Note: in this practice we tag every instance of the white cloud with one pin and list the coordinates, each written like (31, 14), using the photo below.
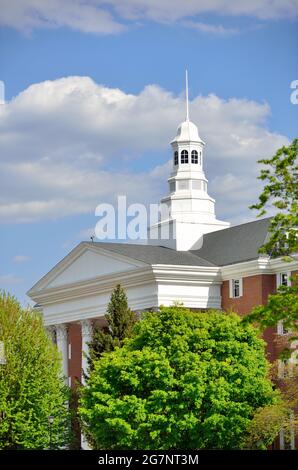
(171, 10)
(86, 16)
(218, 30)
(20, 258)
(69, 144)
(111, 16)
(8, 279)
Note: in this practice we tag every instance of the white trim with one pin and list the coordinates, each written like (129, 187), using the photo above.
(281, 329)
(232, 288)
(92, 286)
(60, 267)
(62, 345)
(241, 287)
(230, 281)
(246, 269)
(98, 310)
(278, 278)
(262, 265)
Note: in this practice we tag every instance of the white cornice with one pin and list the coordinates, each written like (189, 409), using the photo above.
(262, 265)
(166, 273)
(97, 310)
(139, 276)
(279, 265)
(94, 286)
(60, 267)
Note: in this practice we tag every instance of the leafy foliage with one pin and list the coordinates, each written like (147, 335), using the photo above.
(184, 380)
(282, 306)
(120, 320)
(269, 420)
(281, 175)
(265, 426)
(31, 386)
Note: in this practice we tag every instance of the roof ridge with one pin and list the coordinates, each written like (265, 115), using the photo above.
(246, 223)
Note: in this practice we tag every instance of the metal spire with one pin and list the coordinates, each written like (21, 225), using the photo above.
(186, 86)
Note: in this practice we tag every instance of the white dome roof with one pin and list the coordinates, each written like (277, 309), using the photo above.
(186, 131)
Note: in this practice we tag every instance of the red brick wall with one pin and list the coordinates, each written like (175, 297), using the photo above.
(75, 361)
(255, 292)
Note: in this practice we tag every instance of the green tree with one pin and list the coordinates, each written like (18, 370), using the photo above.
(184, 380)
(120, 320)
(31, 386)
(280, 191)
(269, 420)
(265, 426)
(282, 306)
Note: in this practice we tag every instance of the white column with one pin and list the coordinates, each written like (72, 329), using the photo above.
(86, 332)
(51, 332)
(86, 329)
(62, 345)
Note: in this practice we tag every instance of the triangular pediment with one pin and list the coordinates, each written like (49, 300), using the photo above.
(85, 263)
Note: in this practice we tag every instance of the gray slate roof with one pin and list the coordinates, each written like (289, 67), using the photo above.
(151, 254)
(229, 246)
(235, 244)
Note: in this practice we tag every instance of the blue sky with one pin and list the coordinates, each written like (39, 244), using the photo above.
(67, 145)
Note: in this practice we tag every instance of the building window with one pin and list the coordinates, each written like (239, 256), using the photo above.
(184, 156)
(235, 288)
(194, 157)
(287, 435)
(201, 158)
(176, 160)
(285, 368)
(281, 329)
(283, 279)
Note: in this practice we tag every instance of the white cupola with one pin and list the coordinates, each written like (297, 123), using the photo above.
(191, 211)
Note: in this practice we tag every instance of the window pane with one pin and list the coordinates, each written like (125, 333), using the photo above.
(236, 288)
(176, 158)
(284, 279)
(194, 156)
(184, 156)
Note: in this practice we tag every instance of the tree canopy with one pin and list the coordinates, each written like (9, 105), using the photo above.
(282, 306)
(120, 320)
(184, 380)
(31, 386)
(280, 173)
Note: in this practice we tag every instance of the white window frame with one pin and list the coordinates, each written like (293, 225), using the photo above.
(279, 278)
(292, 434)
(280, 326)
(281, 329)
(281, 368)
(232, 288)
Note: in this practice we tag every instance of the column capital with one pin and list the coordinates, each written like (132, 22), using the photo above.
(86, 328)
(61, 332)
(51, 332)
